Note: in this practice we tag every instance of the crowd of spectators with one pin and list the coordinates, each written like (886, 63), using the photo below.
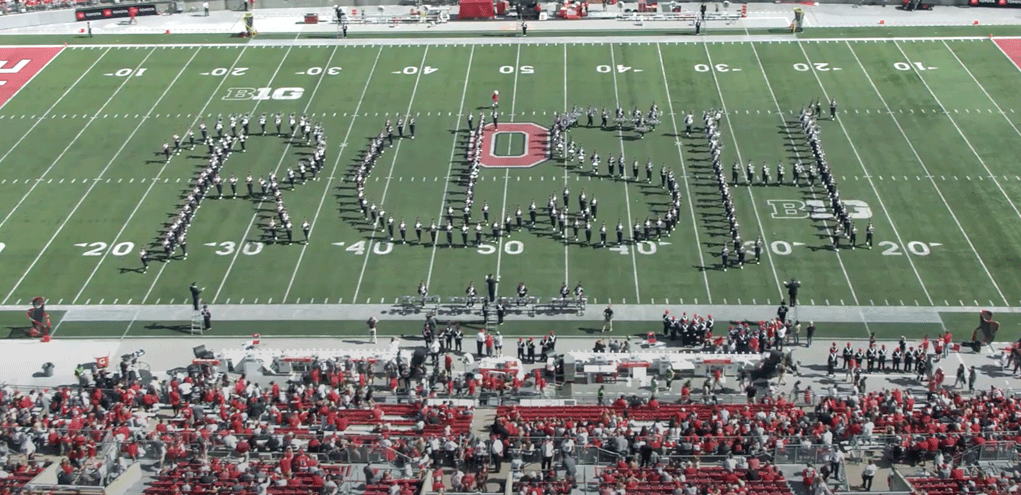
(298, 437)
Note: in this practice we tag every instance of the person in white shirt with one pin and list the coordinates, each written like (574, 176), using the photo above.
(730, 464)
(567, 446)
(480, 341)
(496, 450)
(547, 450)
(867, 474)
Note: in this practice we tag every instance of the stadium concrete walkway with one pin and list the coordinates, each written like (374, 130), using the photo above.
(622, 312)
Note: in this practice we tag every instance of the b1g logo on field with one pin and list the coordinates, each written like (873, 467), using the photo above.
(518, 145)
(816, 209)
(264, 93)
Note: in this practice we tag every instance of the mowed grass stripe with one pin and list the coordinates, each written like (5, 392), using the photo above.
(640, 75)
(106, 211)
(325, 268)
(215, 236)
(916, 209)
(763, 138)
(674, 116)
(420, 174)
(332, 174)
(13, 146)
(118, 236)
(48, 271)
(25, 247)
(934, 159)
(861, 269)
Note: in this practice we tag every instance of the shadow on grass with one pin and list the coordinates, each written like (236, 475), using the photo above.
(20, 333)
(179, 328)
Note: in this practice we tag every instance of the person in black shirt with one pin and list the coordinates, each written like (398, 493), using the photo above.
(608, 318)
(195, 291)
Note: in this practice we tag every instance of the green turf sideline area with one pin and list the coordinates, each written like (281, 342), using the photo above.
(898, 32)
(924, 142)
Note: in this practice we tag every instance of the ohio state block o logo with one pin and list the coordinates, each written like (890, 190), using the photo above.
(536, 146)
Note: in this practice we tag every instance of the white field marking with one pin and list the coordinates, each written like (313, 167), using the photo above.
(41, 69)
(389, 175)
(567, 268)
(929, 175)
(961, 132)
(198, 116)
(333, 174)
(790, 139)
(627, 196)
(869, 179)
(998, 108)
(684, 174)
(450, 162)
(283, 156)
(152, 184)
(33, 126)
(506, 172)
(94, 183)
(737, 149)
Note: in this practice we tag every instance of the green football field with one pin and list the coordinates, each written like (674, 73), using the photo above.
(925, 145)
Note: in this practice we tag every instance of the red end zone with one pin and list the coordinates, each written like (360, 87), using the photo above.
(536, 146)
(18, 65)
(1011, 47)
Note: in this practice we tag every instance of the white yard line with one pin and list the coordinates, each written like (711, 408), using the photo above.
(32, 128)
(40, 71)
(790, 139)
(450, 162)
(283, 156)
(198, 117)
(152, 184)
(868, 177)
(929, 175)
(737, 149)
(333, 173)
(506, 172)
(959, 131)
(567, 250)
(627, 195)
(94, 182)
(684, 176)
(980, 86)
(390, 174)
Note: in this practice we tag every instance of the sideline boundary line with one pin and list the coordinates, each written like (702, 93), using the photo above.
(577, 40)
